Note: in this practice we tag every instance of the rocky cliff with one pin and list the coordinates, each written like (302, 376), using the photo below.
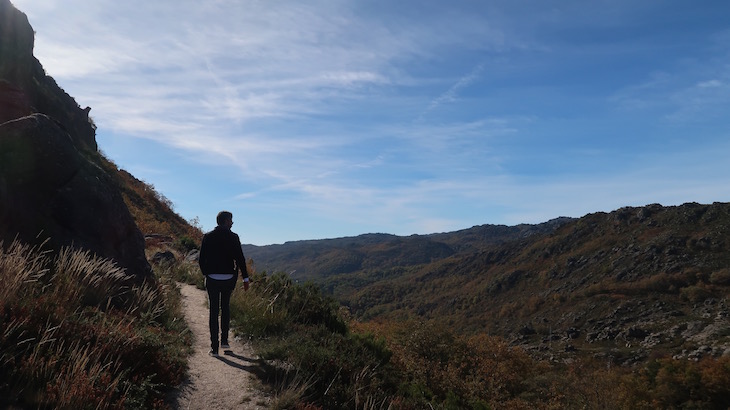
(53, 185)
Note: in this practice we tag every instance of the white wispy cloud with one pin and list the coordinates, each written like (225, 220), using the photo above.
(176, 72)
(451, 94)
(359, 112)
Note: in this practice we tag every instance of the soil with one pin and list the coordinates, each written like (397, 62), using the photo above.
(224, 382)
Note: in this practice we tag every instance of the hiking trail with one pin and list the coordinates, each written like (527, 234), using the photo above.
(223, 382)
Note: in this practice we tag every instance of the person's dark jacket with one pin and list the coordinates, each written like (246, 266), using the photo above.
(220, 252)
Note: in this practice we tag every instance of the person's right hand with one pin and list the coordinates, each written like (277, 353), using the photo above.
(245, 285)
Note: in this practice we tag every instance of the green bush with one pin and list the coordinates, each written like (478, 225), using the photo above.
(186, 244)
(317, 360)
(185, 272)
(681, 384)
(302, 335)
(257, 313)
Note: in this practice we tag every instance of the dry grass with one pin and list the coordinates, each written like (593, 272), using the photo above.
(77, 334)
(290, 392)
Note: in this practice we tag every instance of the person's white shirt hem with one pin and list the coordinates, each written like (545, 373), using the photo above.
(221, 276)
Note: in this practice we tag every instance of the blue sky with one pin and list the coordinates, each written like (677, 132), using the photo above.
(321, 119)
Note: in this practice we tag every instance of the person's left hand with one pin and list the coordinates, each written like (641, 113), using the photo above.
(245, 285)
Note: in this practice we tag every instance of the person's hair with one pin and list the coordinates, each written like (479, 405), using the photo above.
(223, 216)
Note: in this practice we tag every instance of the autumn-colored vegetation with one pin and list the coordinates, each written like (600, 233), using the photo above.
(77, 333)
(318, 357)
(71, 338)
(152, 211)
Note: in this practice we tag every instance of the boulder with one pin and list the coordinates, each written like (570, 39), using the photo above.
(14, 103)
(164, 257)
(22, 71)
(16, 43)
(54, 186)
(49, 190)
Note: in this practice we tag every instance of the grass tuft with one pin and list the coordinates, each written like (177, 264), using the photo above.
(76, 333)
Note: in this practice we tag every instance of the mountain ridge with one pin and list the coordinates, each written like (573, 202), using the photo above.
(626, 284)
(292, 255)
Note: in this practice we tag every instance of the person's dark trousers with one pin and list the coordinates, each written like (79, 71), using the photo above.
(219, 298)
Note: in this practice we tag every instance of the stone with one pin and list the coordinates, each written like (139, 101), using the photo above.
(14, 103)
(49, 190)
(24, 73)
(54, 188)
(165, 257)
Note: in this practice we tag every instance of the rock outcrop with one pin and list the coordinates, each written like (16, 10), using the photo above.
(53, 185)
(21, 70)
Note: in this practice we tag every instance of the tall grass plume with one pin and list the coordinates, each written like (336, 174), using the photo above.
(76, 332)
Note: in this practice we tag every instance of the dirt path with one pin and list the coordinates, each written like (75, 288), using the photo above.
(223, 382)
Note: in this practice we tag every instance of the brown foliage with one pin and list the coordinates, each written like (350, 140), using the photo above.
(76, 333)
(486, 372)
(152, 211)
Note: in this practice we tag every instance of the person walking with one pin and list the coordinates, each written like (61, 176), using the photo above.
(220, 259)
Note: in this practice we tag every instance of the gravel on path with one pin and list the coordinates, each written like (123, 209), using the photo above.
(223, 382)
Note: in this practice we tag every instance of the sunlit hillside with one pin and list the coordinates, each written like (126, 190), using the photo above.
(626, 285)
(152, 211)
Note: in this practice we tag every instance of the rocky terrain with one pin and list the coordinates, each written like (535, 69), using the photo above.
(55, 188)
(622, 286)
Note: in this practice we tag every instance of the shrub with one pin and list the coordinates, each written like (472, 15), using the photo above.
(187, 244)
(185, 272)
(720, 277)
(77, 334)
(308, 344)
(677, 384)
(695, 293)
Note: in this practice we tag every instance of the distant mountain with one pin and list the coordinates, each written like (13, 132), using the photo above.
(316, 259)
(621, 285)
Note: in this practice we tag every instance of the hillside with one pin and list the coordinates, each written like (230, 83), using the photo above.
(317, 259)
(153, 213)
(55, 190)
(86, 321)
(624, 285)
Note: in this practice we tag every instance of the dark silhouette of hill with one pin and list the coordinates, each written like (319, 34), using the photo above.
(55, 187)
(622, 284)
(316, 259)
